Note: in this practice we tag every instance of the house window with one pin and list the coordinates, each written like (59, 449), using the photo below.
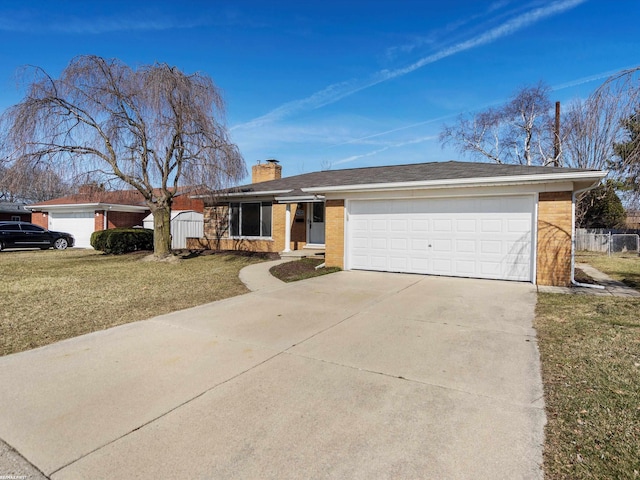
(15, 218)
(250, 219)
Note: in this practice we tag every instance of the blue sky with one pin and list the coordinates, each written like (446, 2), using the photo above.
(338, 84)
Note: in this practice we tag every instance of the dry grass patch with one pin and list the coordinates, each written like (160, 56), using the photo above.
(48, 296)
(590, 350)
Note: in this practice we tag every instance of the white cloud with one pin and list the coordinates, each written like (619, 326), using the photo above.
(340, 90)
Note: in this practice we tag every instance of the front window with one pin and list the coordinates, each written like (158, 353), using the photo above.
(250, 219)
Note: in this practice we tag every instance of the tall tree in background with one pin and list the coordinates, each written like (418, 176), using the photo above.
(30, 184)
(628, 155)
(154, 128)
(519, 132)
(601, 208)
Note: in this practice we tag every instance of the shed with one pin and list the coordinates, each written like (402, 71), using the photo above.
(184, 223)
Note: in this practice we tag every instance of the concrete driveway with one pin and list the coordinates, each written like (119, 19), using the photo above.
(352, 375)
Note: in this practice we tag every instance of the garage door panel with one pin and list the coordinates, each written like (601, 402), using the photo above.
(487, 237)
(491, 225)
(466, 246)
(442, 225)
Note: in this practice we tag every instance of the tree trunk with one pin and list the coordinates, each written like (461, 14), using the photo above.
(162, 231)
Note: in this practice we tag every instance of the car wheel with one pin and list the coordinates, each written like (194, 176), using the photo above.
(60, 244)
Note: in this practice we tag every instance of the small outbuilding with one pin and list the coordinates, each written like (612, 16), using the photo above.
(187, 223)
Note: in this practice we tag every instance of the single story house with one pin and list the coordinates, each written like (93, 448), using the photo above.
(93, 209)
(480, 220)
(14, 211)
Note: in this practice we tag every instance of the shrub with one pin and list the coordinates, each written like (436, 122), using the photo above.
(122, 240)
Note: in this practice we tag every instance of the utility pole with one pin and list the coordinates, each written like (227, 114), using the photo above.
(556, 139)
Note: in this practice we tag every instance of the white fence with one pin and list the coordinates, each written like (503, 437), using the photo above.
(609, 243)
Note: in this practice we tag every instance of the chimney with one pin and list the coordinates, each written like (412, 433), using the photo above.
(263, 172)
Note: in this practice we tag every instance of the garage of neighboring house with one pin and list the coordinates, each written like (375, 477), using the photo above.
(80, 224)
(481, 237)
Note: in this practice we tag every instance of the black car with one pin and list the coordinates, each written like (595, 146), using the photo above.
(28, 235)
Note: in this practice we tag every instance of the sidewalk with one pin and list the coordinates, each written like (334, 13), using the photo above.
(612, 288)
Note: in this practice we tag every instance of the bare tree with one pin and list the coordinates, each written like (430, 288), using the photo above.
(154, 128)
(27, 184)
(520, 131)
(594, 126)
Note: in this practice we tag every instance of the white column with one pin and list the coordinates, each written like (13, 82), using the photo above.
(287, 229)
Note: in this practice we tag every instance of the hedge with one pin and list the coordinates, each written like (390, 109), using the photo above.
(122, 240)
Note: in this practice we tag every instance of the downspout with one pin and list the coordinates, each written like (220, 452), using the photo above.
(573, 241)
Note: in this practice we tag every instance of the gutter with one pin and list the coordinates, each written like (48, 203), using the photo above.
(573, 240)
(463, 182)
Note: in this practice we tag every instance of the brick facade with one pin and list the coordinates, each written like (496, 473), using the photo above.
(125, 219)
(40, 218)
(334, 233)
(216, 231)
(554, 239)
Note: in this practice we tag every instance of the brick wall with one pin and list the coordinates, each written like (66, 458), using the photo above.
(334, 233)
(8, 216)
(216, 234)
(554, 239)
(125, 219)
(184, 202)
(98, 222)
(40, 218)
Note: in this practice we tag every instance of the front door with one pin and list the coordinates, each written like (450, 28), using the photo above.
(315, 223)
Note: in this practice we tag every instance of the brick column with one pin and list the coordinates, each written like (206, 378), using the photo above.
(334, 233)
(554, 239)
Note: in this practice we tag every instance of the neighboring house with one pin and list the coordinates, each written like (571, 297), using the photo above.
(480, 220)
(93, 209)
(14, 211)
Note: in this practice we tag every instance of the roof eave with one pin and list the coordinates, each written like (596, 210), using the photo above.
(589, 177)
(264, 193)
(87, 206)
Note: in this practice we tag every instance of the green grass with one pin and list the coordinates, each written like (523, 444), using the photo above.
(301, 269)
(624, 269)
(51, 295)
(590, 351)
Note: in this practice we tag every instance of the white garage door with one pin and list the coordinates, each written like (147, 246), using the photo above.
(79, 224)
(480, 237)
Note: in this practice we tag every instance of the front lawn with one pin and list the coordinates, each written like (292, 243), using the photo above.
(51, 295)
(590, 351)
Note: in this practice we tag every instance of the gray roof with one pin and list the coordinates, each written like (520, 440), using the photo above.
(13, 207)
(452, 170)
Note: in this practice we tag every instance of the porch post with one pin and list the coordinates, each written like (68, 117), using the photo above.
(287, 229)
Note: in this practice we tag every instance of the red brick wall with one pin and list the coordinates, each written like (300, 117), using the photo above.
(24, 217)
(184, 202)
(125, 219)
(40, 218)
(98, 220)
